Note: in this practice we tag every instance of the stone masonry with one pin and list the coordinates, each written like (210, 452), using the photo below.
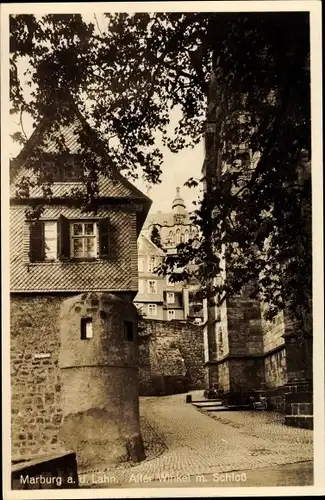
(171, 357)
(35, 375)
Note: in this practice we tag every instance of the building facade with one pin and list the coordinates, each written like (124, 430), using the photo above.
(150, 297)
(159, 297)
(73, 277)
(174, 227)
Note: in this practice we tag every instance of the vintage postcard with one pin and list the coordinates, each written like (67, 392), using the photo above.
(162, 249)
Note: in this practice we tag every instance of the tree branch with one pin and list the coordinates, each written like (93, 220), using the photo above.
(21, 123)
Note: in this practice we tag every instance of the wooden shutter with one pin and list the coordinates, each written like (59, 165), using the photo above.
(36, 241)
(107, 239)
(63, 238)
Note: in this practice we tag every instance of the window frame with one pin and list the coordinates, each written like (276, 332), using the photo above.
(173, 297)
(62, 247)
(148, 288)
(154, 306)
(169, 311)
(83, 237)
(86, 329)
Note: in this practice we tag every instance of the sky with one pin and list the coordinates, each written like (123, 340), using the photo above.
(176, 169)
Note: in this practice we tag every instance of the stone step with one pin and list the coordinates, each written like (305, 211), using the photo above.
(206, 404)
(216, 408)
(229, 408)
(207, 401)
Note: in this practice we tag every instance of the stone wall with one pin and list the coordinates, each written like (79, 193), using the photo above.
(239, 341)
(35, 375)
(170, 349)
(246, 374)
(63, 387)
(272, 331)
(244, 326)
(275, 369)
(223, 376)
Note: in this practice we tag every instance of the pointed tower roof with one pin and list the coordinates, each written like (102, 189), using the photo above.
(178, 203)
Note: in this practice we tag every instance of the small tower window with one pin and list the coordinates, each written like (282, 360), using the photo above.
(128, 331)
(86, 328)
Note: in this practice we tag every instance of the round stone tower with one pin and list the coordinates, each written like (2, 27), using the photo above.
(99, 372)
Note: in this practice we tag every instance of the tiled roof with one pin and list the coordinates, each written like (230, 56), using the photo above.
(146, 246)
(117, 186)
(107, 187)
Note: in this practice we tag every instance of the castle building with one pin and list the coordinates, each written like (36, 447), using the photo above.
(158, 297)
(73, 277)
(174, 227)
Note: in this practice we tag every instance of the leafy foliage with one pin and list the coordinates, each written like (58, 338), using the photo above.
(247, 74)
(155, 236)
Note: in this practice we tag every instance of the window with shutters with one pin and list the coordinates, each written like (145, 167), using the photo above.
(83, 240)
(66, 239)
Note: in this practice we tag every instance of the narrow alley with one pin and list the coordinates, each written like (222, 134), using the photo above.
(196, 447)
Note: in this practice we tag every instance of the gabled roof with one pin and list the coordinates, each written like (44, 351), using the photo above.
(113, 186)
(143, 239)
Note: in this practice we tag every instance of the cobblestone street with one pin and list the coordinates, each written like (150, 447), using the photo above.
(192, 443)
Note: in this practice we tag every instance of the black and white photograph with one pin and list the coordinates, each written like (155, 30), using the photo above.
(162, 249)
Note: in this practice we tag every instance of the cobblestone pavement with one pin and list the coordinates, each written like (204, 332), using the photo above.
(199, 443)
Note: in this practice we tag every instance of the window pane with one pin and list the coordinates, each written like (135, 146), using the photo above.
(50, 236)
(171, 314)
(77, 229)
(152, 309)
(78, 247)
(89, 247)
(89, 228)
